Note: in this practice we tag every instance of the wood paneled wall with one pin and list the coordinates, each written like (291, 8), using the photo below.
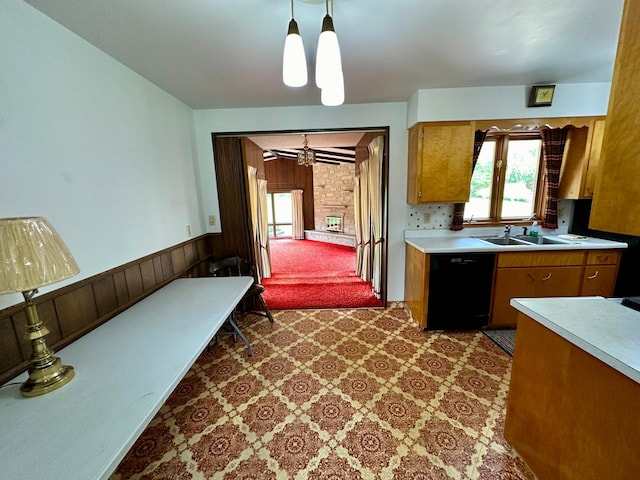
(74, 310)
(233, 200)
(253, 156)
(284, 175)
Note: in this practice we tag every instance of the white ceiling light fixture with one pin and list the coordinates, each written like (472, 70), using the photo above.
(329, 63)
(306, 157)
(294, 61)
(332, 94)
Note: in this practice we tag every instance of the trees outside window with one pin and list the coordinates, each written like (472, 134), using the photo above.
(506, 182)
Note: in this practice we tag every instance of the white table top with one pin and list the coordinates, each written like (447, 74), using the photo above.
(603, 328)
(125, 371)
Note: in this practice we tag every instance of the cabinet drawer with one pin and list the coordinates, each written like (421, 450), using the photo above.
(599, 280)
(603, 257)
(548, 259)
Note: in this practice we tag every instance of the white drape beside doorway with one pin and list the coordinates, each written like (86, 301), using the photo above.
(357, 217)
(264, 259)
(365, 222)
(376, 151)
(297, 220)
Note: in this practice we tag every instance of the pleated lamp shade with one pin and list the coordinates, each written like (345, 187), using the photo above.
(32, 255)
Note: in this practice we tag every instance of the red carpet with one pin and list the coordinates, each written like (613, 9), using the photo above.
(308, 274)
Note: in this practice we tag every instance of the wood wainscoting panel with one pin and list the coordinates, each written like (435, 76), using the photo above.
(120, 283)
(167, 266)
(178, 259)
(105, 294)
(76, 309)
(134, 281)
(9, 342)
(148, 275)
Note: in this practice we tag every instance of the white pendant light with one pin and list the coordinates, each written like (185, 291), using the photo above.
(294, 61)
(332, 94)
(328, 59)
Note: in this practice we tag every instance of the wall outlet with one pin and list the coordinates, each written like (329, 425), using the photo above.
(212, 220)
(426, 217)
(188, 230)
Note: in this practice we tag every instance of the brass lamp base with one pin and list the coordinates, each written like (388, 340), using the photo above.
(46, 372)
(47, 379)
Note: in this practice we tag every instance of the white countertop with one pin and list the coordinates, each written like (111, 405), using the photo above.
(467, 241)
(603, 328)
(125, 370)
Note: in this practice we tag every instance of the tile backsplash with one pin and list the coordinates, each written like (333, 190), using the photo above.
(438, 216)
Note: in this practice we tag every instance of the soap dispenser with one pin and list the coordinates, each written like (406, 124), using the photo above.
(534, 229)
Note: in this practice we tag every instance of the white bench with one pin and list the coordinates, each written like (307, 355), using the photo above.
(125, 371)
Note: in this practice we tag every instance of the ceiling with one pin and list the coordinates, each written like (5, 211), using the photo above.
(228, 53)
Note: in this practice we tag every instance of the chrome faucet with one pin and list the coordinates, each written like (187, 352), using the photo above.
(507, 231)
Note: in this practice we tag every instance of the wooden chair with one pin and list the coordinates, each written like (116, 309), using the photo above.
(236, 266)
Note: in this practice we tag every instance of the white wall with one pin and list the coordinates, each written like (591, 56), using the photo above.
(478, 103)
(102, 153)
(393, 115)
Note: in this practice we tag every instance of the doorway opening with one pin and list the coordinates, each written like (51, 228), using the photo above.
(279, 214)
(272, 159)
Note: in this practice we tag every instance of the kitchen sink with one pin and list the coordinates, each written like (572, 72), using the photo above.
(539, 240)
(522, 240)
(503, 240)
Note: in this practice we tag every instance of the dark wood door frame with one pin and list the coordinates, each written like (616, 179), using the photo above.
(233, 193)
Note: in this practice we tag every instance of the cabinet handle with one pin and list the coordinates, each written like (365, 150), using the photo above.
(603, 258)
(547, 277)
(593, 276)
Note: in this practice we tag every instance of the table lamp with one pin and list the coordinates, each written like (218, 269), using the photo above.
(33, 255)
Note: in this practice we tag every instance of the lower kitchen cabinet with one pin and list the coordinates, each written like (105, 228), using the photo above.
(558, 273)
(599, 280)
(600, 273)
(534, 274)
(531, 282)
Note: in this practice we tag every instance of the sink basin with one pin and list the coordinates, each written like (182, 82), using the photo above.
(538, 240)
(503, 241)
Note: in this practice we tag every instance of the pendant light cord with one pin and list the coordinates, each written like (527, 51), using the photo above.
(292, 16)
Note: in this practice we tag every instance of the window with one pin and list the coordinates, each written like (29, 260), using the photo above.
(279, 214)
(506, 181)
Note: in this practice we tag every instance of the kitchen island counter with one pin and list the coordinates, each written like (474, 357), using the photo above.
(574, 394)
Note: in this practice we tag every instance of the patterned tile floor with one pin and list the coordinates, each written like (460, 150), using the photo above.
(335, 394)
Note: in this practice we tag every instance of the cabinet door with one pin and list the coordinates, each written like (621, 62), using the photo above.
(599, 280)
(440, 160)
(593, 164)
(510, 283)
(615, 202)
(530, 282)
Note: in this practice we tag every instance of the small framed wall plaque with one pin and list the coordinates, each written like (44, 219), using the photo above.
(541, 95)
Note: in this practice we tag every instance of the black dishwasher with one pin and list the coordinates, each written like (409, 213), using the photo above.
(459, 291)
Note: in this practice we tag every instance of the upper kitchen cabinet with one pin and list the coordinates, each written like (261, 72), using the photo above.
(440, 158)
(581, 159)
(615, 202)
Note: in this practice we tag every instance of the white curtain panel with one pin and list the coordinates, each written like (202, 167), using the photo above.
(358, 224)
(254, 202)
(365, 218)
(297, 222)
(376, 150)
(265, 257)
